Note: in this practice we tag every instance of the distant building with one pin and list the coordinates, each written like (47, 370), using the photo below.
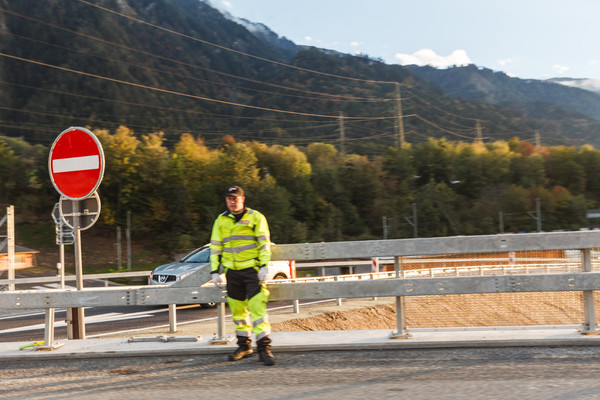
(24, 257)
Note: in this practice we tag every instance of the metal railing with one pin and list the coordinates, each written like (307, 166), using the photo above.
(106, 277)
(397, 284)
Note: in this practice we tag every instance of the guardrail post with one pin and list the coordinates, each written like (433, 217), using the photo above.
(296, 303)
(49, 332)
(172, 317)
(69, 321)
(220, 337)
(372, 276)
(589, 326)
(338, 301)
(49, 327)
(401, 332)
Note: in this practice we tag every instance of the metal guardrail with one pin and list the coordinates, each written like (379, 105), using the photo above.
(480, 270)
(188, 291)
(46, 279)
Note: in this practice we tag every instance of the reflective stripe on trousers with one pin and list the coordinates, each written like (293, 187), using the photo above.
(256, 309)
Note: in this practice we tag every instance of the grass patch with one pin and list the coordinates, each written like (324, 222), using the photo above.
(36, 236)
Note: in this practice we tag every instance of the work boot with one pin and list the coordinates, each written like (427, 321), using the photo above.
(244, 349)
(264, 351)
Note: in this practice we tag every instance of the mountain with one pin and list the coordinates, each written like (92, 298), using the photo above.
(497, 88)
(181, 66)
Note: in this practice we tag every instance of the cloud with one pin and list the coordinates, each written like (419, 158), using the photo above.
(429, 57)
(308, 38)
(588, 84)
(560, 69)
(221, 5)
(355, 44)
(506, 61)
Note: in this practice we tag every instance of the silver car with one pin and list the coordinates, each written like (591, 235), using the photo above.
(170, 273)
(176, 271)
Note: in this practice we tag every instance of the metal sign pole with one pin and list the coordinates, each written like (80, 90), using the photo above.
(10, 244)
(62, 265)
(76, 167)
(78, 316)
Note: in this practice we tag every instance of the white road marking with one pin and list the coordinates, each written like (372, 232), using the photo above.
(194, 321)
(51, 286)
(94, 319)
(30, 314)
(57, 286)
(124, 316)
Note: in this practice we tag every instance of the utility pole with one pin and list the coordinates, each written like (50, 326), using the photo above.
(119, 258)
(128, 238)
(400, 125)
(479, 139)
(385, 228)
(342, 134)
(413, 220)
(538, 214)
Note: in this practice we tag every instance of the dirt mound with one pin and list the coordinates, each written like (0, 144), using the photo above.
(490, 309)
(371, 317)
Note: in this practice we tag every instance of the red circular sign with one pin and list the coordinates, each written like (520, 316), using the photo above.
(76, 163)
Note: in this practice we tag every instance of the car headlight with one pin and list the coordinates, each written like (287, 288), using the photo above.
(185, 275)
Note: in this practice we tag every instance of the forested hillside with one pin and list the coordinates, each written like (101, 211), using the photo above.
(316, 193)
(179, 66)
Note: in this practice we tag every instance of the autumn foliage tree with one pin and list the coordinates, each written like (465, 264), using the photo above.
(317, 193)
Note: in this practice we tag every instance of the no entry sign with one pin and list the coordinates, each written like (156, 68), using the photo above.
(76, 163)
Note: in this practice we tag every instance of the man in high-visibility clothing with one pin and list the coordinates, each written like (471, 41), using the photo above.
(240, 243)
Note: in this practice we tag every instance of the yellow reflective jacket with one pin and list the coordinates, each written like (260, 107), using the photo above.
(240, 245)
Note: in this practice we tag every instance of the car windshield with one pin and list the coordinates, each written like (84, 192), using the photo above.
(201, 255)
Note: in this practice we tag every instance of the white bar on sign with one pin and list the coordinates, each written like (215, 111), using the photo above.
(76, 164)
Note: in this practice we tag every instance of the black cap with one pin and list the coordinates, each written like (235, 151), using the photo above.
(234, 191)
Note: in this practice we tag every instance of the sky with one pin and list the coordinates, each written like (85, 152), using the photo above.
(529, 39)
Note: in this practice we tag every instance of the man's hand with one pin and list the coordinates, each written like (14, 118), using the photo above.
(216, 279)
(262, 274)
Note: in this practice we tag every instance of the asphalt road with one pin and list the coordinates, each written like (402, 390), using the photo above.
(477, 373)
(28, 325)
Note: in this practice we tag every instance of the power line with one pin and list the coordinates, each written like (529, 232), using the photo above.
(414, 95)
(167, 91)
(441, 128)
(194, 66)
(229, 49)
(206, 114)
(332, 97)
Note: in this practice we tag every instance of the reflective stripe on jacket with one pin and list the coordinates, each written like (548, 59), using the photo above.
(242, 244)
